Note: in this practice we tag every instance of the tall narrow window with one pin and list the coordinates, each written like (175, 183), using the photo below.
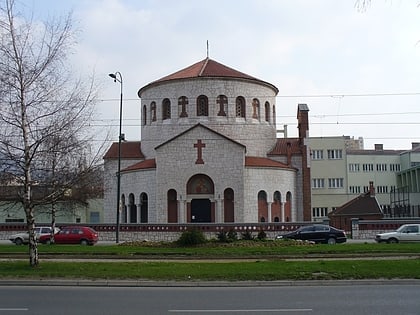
(166, 109)
(222, 101)
(240, 107)
(144, 115)
(255, 108)
(182, 106)
(202, 106)
(267, 111)
(153, 111)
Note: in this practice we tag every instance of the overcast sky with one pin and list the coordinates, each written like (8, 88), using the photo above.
(358, 72)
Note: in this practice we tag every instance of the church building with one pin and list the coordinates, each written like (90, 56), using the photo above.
(209, 153)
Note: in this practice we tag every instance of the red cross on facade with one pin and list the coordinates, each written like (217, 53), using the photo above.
(199, 145)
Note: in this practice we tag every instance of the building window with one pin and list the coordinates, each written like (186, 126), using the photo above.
(153, 111)
(354, 189)
(382, 189)
(367, 167)
(240, 107)
(202, 106)
(381, 167)
(182, 106)
(317, 154)
(222, 101)
(319, 212)
(255, 108)
(144, 115)
(394, 167)
(336, 154)
(318, 183)
(267, 111)
(354, 167)
(335, 182)
(166, 109)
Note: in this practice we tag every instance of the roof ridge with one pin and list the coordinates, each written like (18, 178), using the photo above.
(206, 61)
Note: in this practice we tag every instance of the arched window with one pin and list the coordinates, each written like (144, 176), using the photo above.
(255, 108)
(288, 207)
(276, 207)
(222, 101)
(262, 206)
(240, 107)
(132, 212)
(202, 106)
(274, 115)
(144, 208)
(182, 106)
(229, 205)
(123, 209)
(144, 115)
(172, 206)
(153, 111)
(166, 109)
(267, 111)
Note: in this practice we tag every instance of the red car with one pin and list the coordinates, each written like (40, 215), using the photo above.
(72, 235)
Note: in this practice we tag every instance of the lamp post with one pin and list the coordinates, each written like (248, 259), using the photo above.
(118, 78)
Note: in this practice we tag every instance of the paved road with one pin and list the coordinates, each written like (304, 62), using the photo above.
(304, 300)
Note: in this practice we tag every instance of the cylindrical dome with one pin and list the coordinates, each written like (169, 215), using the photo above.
(229, 102)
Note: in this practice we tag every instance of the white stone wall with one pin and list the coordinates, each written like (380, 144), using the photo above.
(268, 180)
(223, 163)
(257, 134)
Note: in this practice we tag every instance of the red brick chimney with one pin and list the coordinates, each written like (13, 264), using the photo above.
(303, 125)
(371, 189)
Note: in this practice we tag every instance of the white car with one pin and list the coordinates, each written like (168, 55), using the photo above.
(23, 238)
(405, 233)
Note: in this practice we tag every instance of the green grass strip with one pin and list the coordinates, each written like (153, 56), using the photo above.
(206, 271)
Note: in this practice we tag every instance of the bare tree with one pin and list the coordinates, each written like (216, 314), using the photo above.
(44, 112)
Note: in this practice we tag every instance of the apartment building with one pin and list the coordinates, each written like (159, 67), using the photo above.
(341, 169)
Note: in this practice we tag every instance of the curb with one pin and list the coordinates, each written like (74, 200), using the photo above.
(144, 283)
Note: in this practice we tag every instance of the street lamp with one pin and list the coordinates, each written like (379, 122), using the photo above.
(118, 78)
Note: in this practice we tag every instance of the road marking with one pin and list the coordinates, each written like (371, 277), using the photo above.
(14, 309)
(245, 311)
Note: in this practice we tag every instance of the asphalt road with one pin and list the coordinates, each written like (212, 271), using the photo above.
(326, 300)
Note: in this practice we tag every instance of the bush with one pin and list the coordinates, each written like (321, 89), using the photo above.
(247, 236)
(262, 236)
(232, 236)
(191, 238)
(222, 237)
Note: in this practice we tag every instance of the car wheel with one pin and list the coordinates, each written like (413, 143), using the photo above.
(48, 241)
(392, 241)
(83, 242)
(331, 241)
(18, 241)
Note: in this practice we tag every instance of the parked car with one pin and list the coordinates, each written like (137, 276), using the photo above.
(405, 233)
(318, 233)
(23, 237)
(73, 235)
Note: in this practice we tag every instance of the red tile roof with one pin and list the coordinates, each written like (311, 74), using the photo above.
(282, 144)
(255, 161)
(146, 164)
(206, 68)
(362, 205)
(129, 150)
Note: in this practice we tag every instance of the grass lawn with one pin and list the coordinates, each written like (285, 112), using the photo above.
(249, 260)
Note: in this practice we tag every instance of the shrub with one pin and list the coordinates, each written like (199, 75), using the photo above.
(262, 236)
(222, 237)
(247, 235)
(191, 238)
(232, 236)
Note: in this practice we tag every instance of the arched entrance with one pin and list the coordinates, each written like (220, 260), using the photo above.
(200, 190)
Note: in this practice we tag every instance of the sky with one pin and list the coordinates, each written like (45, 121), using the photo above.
(357, 70)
